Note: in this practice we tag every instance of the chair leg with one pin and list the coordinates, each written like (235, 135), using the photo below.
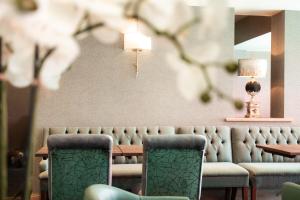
(233, 193)
(253, 192)
(245, 193)
(228, 193)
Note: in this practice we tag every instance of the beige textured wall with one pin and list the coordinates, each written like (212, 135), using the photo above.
(101, 89)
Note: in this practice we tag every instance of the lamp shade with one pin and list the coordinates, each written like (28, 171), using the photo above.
(253, 68)
(137, 41)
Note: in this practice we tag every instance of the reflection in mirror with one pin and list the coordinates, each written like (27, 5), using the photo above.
(257, 46)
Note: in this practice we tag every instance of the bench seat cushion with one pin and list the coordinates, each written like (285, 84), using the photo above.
(127, 170)
(224, 174)
(272, 175)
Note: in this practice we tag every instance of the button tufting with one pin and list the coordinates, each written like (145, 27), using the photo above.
(223, 141)
(125, 131)
(260, 131)
(288, 142)
(292, 131)
(148, 131)
(211, 141)
(277, 142)
(250, 131)
(137, 131)
(218, 153)
(158, 130)
(281, 131)
(271, 131)
(217, 131)
(90, 131)
(251, 153)
(298, 142)
(244, 141)
(205, 131)
(255, 141)
(113, 131)
(101, 131)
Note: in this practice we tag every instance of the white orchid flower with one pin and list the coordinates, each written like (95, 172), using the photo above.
(190, 79)
(52, 25)
(62, 58)
(20, 64)
(166, 15)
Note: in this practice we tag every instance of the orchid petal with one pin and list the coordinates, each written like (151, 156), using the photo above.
(20, 64)
(191, 82)
(62, 58)
(106, 35)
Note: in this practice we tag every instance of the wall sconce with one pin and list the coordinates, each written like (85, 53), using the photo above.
(136, 41)
(253, 68)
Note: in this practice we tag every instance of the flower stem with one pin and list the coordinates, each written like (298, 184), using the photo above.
(31, 143)
(3, 134)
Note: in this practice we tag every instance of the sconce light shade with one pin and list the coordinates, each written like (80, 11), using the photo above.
(252, 68)
(137, 41)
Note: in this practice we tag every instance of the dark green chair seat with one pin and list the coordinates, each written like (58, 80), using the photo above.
(105, 192)
(290, 191)
(272, 175)
(224, 174)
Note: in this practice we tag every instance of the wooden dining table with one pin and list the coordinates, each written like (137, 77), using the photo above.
(287, 150)
(118, 150)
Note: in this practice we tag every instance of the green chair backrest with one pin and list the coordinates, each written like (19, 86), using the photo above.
(77, 162)
(173, 165)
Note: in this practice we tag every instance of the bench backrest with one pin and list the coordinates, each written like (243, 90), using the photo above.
(218, 145)
(244, 140)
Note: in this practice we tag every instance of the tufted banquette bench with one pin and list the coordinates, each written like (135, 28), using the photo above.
(265, 170)
(231, 159)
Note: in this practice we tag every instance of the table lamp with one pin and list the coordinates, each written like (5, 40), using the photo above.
(253, 68)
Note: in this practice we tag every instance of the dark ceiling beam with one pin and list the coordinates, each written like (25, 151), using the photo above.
(251, 27)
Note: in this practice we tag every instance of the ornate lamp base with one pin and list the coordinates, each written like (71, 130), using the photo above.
(252, 109)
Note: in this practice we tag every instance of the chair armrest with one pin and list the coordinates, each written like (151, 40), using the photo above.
(290, 191)
(106, 192)
(43, 165)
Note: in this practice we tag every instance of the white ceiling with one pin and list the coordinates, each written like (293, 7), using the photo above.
(256, 7)
(260, 43)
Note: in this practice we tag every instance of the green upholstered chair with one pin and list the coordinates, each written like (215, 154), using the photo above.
(173, 165)
(76, 162)
(290, 191)
(106, 192)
